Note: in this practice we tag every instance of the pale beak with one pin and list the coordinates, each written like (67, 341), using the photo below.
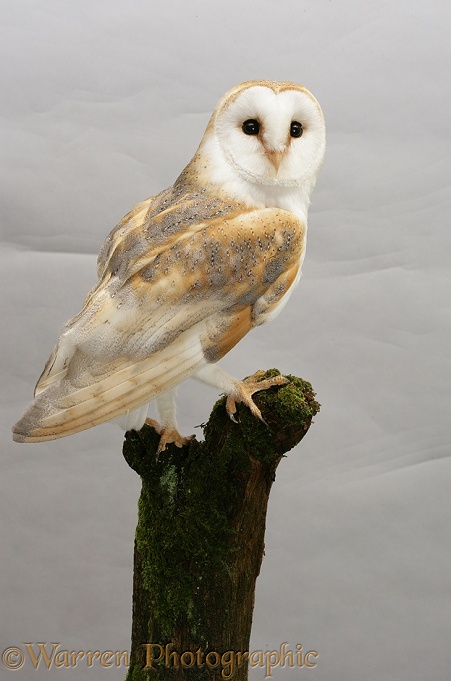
(275, 157)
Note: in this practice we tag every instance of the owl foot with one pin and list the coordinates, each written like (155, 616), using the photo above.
(168, 436)
(245, 389)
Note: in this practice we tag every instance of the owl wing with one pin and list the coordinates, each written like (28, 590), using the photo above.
(158, 314)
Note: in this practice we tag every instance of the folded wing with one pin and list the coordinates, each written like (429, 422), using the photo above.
(173, 294)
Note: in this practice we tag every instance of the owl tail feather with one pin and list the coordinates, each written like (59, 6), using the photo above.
(67, 407)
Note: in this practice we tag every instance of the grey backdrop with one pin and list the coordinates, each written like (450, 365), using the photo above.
(103, 104)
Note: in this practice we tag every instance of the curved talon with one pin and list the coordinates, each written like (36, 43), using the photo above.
(245, 389)
(153, 424)
(168, 436)
(171, 436)
(231, 409)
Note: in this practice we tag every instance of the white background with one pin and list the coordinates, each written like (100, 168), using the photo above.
(103, 104)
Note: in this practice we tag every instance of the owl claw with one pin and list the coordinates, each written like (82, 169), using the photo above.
(153, 424)
(171, 436)
(168, 436)
(245, 389)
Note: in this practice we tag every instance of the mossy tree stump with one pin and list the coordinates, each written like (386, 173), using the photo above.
(200, 536)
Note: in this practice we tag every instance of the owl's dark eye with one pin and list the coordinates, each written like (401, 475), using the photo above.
(251, 127)
(296, 129)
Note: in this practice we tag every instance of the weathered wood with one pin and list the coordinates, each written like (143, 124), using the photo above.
(200, 536)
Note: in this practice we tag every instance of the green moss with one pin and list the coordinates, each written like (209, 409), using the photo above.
(290, 407)
(183, 529)
(188, 503)
(136, 673)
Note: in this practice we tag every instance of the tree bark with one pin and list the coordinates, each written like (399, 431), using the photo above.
(200, 537)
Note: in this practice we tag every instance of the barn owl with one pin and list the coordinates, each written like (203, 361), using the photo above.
(188, 272)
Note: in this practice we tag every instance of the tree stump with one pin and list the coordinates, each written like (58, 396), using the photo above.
(200, 537)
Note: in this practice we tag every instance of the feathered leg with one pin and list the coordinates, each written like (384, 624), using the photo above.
(168, 430)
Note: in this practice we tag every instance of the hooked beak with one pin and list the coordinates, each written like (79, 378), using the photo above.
(275, 157)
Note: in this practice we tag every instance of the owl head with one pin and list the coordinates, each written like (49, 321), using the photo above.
(265, 134)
